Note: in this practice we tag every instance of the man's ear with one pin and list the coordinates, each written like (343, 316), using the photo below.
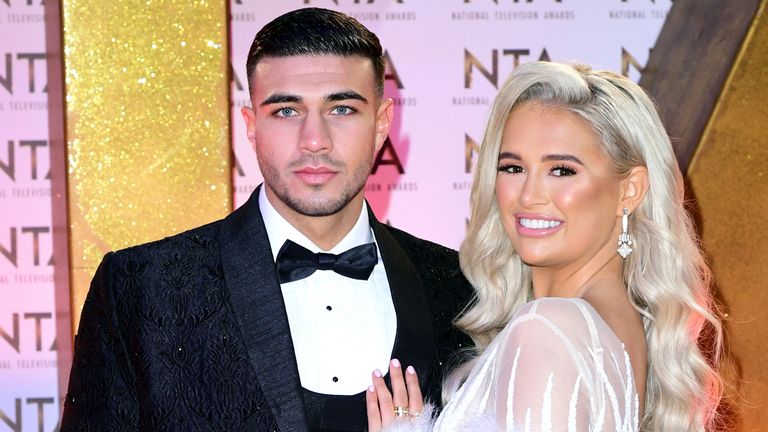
(250, 123)
(384, 121)
(634, 187)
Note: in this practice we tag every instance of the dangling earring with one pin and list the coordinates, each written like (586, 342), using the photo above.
(625, 240)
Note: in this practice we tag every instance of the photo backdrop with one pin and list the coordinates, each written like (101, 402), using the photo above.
(28, 374)
(446, 60)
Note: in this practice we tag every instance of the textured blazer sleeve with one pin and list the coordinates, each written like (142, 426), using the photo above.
(448, 292)
(101, 394)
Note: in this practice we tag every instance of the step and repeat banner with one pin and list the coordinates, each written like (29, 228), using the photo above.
(446, 59)
(28, 359)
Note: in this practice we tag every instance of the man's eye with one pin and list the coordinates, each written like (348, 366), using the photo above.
(343, 110)
(285, 112)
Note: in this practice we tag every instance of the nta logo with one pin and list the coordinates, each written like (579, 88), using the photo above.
(23, 2)
(8, 166)
(471, 63)
(336, 2)
(512, 1)
(16, 424)
(15, 338)
(6, 80)
(32, 234)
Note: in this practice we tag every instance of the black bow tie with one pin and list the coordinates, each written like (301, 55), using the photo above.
(295, 262)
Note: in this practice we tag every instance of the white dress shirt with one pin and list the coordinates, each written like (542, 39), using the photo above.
(342, 328)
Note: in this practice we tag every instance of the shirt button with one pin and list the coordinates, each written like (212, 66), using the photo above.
(328, 308)
(335, 379)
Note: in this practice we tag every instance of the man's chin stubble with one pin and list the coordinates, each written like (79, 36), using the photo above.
(318, 209)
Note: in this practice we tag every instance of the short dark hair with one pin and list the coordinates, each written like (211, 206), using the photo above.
(316, 31)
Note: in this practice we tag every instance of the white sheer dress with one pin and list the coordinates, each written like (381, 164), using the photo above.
(556, 366)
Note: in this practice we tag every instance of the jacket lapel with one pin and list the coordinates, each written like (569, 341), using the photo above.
(257, 301)
(414, 341)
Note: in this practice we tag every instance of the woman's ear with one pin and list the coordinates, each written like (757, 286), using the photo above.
(634, 187)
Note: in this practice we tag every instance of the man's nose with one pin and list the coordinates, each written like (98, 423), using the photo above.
(315, 136)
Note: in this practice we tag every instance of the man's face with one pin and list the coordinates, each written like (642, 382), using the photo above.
(315, 125)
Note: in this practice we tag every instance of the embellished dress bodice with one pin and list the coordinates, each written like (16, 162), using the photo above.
(556, 366)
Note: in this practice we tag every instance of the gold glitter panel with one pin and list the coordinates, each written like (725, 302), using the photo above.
(729, 179)
(147, 121)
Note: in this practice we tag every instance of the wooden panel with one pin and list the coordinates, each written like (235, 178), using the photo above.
(708, 73)
(728, 178)
(690, 62)
(60, 220)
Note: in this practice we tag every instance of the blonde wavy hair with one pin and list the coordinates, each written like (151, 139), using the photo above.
(667, 278)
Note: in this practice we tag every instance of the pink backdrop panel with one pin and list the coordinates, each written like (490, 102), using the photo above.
(28, 374)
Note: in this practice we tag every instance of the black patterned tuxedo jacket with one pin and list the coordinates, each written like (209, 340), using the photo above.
(190, 333)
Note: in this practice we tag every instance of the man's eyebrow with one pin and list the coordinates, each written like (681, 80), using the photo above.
(345, 95)
(280, 98)
(561, 157)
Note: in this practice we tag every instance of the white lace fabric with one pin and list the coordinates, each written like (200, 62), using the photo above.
(556, 366)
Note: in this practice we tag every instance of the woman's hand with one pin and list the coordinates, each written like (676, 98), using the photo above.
(405, 400)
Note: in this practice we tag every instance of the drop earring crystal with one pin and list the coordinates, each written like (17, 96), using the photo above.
(625, 240)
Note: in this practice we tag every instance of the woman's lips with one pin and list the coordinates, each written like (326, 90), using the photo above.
(530, 225)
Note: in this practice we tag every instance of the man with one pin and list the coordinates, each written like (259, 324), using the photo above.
(275, 317)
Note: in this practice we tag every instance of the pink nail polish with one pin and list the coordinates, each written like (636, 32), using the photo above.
(411, 370)
(371, 389)
(377, 373)
(396, 363)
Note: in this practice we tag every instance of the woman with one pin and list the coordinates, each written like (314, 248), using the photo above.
(590, 304)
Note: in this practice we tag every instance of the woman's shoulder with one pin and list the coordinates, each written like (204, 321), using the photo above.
(558, 310)
(568, 319)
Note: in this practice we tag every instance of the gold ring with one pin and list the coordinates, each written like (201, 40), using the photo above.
(400, 411)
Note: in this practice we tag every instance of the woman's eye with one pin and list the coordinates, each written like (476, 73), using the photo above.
(511, 169)
(563, 171)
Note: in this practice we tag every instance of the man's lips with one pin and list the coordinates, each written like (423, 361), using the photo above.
(315, 175)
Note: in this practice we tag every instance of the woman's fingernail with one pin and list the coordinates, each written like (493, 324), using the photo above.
(371, 389)
(396, 363)
(377, 373)
(411, 370)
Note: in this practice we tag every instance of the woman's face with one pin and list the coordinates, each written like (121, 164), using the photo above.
(557, 193)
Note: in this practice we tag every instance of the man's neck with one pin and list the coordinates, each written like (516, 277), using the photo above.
(324, 231)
